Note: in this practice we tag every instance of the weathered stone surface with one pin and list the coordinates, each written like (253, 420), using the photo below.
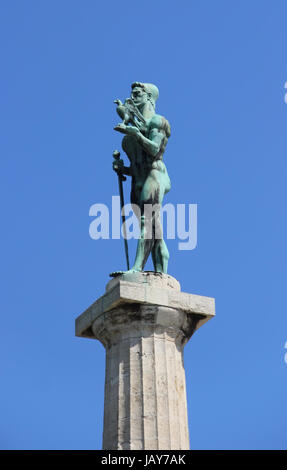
(144, 325)
(156, 280)
(146, 288)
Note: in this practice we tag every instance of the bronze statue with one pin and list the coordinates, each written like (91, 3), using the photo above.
(146, 136)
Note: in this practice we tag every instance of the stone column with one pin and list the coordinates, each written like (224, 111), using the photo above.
(144, 321)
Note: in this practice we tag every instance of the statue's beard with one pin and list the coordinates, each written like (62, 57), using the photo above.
(142, 106)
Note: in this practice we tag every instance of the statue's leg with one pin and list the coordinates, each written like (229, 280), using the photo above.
(143, 248)
(149, 197)
(160, 254)
(142, 251)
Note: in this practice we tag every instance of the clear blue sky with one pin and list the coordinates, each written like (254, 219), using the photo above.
(221, 68)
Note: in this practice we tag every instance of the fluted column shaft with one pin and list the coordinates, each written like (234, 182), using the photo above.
(144, 320)
(145, 393)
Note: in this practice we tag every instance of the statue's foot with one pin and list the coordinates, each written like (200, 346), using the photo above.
(118, 273)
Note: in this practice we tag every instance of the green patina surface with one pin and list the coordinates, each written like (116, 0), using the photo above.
(146, 136)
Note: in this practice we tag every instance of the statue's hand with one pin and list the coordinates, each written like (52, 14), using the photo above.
(118, 165)
(132, 130)
(128, 130)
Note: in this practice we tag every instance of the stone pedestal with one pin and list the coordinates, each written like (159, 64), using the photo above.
(144, 320)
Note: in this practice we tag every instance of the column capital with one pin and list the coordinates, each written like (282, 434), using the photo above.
(150, 294)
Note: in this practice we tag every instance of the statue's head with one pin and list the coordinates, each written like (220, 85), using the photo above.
(143, 93)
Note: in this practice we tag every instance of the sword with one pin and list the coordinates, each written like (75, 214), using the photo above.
(121, 178)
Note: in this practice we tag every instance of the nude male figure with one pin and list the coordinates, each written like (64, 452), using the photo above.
(144, 143)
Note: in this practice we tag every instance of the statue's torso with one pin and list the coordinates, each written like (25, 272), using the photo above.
(141, 162)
